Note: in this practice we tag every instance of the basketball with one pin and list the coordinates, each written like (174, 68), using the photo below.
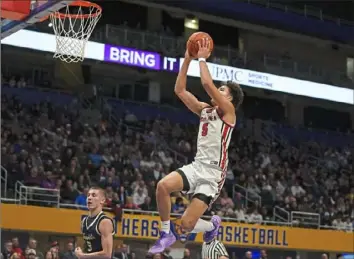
(192, 43)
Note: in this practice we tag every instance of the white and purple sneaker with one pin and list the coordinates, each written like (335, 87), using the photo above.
(165, 241)
(209, 235)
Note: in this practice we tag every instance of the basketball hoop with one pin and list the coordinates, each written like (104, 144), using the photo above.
(73, 27)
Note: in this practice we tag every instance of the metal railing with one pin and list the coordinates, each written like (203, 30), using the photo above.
(307, 11)
(17, 200)
(3, 182)
(280, 214)
(248, 196)
(305, 219)
(225, 219)
(28, 195)
(308, 71)
(346, 229)
(174, 46)
(168, 45)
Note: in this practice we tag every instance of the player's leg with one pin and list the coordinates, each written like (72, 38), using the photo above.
(191, 220)
(210, 182)
(172, 182)
(181, 179)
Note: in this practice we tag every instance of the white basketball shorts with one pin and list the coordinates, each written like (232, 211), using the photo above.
(203, 179)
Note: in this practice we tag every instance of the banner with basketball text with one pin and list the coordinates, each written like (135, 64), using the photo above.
(146, 227)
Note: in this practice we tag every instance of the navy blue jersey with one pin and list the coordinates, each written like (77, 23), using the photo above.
(91, 233)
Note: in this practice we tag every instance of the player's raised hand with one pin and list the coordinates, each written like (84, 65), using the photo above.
(204, 48)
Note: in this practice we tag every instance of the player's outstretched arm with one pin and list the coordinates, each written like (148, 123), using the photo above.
(181, 88)
(207, 81)
(107, 230)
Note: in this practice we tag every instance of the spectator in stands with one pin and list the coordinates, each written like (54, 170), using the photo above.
(240, 213)
(297, 190)
(8, 249)
(31, 254)
(12, 82)
(21, 83)
(225, 201)
(69, 253)
(166, 254)
(248, 255)
(186, 254)
(130, 204)
(69, 193)
(255, 217)
(263, 254)
(123, 253)
(48, 181)
(53, 252)
(178, 206)
(81, 198)
(33, 178)
(32, 247)
(139, 196)
(16, 248)
(147, 206)
(95, 157)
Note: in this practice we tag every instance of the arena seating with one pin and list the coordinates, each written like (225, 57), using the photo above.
(269, 179)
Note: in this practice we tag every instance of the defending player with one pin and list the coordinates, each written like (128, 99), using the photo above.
(206, 175)
(97, 228)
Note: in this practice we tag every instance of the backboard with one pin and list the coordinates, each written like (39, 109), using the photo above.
(18, 14)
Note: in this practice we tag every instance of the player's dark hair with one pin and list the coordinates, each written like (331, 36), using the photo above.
(99, 189)
(236, 93)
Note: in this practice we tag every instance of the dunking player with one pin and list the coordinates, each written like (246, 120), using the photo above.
(206, 175)
(97, 228)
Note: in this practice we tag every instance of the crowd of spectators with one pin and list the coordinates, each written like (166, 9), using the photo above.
(14, 248)
(47, 146)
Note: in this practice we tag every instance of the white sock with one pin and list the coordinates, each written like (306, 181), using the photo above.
(165, 226)
(203, 226)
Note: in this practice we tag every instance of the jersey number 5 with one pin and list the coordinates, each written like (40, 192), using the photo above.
(205, 129)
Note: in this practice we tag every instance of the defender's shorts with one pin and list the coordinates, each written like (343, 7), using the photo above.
(202, 179)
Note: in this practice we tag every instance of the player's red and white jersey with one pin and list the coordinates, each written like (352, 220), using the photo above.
(213, 139)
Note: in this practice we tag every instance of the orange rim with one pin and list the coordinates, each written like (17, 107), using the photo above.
(87, 4)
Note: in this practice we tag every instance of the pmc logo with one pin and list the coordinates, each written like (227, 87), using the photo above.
(226, 73)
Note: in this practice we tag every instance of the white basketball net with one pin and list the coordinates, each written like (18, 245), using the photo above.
(72, 31)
